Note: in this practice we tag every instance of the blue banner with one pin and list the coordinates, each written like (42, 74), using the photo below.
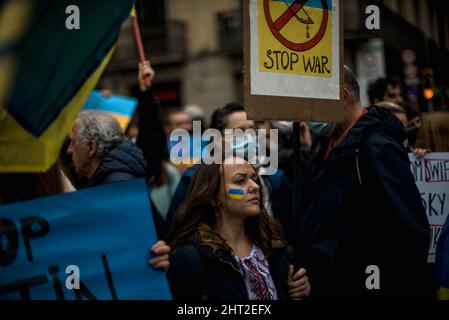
(100, 236)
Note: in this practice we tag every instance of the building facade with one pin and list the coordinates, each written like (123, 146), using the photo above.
(195, 46)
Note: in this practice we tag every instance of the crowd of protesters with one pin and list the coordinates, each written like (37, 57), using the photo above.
(229, 232)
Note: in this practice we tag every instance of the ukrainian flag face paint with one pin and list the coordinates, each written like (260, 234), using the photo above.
(236, 194)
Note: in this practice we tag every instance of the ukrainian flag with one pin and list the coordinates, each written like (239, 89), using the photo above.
(120, 107)
(10, 34)
(236, 194)
(47, 72)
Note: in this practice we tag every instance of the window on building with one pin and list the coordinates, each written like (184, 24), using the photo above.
(230, 29)
(416, 10)
(151, 13)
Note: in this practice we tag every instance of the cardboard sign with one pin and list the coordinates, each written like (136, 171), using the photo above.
(432, 179)
(293, 59)
(101, 236)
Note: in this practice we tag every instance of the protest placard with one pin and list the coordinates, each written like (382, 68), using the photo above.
(100, 236)
(432, 179)
(293, 59)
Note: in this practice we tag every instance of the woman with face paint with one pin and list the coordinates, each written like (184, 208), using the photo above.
(225, 245)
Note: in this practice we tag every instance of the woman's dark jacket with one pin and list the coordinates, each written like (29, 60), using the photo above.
(197, 272)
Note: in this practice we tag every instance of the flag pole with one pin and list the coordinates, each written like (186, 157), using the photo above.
(139, 43)
(297, 212)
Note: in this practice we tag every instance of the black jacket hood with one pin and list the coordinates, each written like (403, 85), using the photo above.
(376, 120)
(124, 162)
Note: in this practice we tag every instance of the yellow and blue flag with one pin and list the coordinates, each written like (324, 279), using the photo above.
(236, 194)
(55, 70)
(120, 107)
(10, 35)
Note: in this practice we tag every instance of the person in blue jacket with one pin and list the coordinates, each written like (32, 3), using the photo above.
(100, 153)
(364, 233)
(276, 187)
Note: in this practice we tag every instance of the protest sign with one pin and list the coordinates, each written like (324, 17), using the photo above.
(432, 179)
(293, 59)
(98, 239)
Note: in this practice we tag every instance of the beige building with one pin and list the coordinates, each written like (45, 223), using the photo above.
(419, 25)
(195, 49)
(195, 45)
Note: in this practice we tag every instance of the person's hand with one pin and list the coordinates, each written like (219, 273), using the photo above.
(306, 136)
(161, 250)
(145, 70)
(106, 93)
(298, 284)
(420, 152)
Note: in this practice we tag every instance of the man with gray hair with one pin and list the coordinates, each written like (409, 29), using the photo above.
(99, 152)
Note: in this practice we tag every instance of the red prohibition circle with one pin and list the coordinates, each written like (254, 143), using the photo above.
(276, 27)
